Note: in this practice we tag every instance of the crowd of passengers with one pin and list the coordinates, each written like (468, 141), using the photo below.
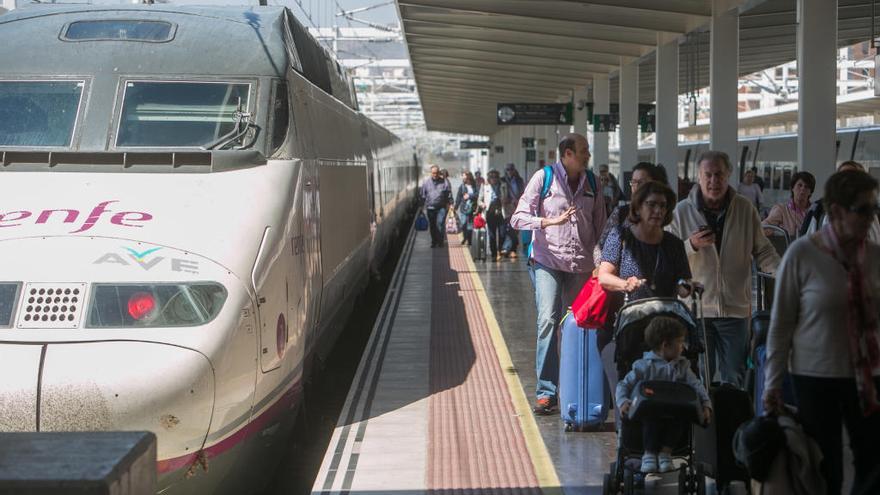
(824, 322)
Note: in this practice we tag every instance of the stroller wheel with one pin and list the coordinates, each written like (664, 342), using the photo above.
(569, 427)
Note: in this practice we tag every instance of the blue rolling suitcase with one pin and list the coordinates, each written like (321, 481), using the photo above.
(760, 327)
(583, 390)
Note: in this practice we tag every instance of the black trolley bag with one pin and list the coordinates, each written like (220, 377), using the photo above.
(731, 407)
(478, 244)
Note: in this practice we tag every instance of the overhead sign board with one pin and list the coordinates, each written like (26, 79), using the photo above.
(528, 142)
(474, 145)
(534, 114)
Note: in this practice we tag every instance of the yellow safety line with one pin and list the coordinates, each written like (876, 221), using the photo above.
(544, 469)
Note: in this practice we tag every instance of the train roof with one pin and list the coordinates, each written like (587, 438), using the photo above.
(218, 40)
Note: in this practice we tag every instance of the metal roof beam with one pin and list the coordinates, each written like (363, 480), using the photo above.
(688, 7)
(483, 56)
(561, 54)
(454, 62)
(495, 80)
(530, 38)
(427, 79)
(527, 25)
(551, 11)
(525, 77)
(490, 94)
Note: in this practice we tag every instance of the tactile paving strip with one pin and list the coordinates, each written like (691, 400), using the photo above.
(475, 442)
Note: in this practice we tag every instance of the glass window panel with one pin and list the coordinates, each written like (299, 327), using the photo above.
(7, 303)
(178, 114)
(38, 113)
(119, 30)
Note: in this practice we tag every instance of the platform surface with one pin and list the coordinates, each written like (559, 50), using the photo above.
(441, 402)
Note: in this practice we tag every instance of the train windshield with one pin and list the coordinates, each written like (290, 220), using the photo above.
(179, 114)
(38, 113)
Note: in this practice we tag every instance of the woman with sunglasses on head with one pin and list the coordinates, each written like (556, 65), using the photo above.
(824, 330)
(642, 173)
(642, 258)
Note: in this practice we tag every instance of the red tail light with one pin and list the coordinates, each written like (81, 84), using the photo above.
(140, 305)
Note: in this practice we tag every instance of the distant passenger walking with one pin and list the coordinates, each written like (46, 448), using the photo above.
(722, 233)
(491, 198)
(466, 205)
(436, 195)
(566, 224)
(824, 330)
(515, 188)
(750, 189)
(610, 188)
(790, 214)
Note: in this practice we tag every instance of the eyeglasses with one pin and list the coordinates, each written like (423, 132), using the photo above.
(637, 182)
(865, 210)
(653, 205)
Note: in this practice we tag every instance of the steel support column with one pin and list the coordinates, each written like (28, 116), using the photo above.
(723, 78)
(580, 111)
(601, 100)
(629, 115)
(817, 87)
(667, 102)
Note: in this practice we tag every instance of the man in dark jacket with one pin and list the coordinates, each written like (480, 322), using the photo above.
(515, 187)
(436, 195)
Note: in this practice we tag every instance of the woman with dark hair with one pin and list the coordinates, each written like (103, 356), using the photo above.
(642, 173)
(466, 205)
(824, 330)
(790, 215)
(643, 259)
(491, 198)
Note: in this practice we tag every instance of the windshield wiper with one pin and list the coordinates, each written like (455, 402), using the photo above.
(243, 124)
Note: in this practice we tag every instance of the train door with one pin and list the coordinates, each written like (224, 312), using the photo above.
(313, 281)
(297, 301)
(270, 282)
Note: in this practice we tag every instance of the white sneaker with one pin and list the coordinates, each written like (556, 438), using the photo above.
(649, 463)
(665, 462)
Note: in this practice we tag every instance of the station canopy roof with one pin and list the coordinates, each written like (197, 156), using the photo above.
(469, 55)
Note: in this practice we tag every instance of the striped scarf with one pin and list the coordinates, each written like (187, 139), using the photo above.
(862, 325)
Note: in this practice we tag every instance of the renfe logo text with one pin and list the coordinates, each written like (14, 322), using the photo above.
(122, 218)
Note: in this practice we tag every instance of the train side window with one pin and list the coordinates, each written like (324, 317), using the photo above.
(280, 116)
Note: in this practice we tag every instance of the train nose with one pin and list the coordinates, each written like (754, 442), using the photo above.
(130, 386)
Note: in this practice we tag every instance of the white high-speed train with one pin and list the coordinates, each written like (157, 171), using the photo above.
(189, 204)
(775, 157)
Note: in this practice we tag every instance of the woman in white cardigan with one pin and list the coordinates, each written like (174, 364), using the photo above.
(824, 327)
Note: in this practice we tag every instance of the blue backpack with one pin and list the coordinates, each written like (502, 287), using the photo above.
(545, 190)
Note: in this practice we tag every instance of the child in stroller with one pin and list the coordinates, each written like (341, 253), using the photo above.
(663, 428)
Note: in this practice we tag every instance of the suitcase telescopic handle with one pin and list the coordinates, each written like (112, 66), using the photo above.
(701, 322)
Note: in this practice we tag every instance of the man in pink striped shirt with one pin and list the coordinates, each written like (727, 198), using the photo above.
(566, 225)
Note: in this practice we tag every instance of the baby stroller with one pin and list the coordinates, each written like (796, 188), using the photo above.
(655, 399)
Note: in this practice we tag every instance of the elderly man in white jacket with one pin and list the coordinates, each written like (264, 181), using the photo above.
(722, 233)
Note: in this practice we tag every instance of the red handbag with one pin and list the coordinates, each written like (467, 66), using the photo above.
(592, 305)
(479, 221)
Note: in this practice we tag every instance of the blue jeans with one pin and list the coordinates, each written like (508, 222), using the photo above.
(467, 228)
(437, 224)
(511, 237)
(728, 347)
(554, 292)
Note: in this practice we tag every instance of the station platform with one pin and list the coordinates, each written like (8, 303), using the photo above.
(441, 402)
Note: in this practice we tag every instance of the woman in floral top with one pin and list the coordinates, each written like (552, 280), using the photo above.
(790, 215)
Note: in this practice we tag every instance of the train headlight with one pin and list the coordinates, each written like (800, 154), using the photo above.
(154, 305)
